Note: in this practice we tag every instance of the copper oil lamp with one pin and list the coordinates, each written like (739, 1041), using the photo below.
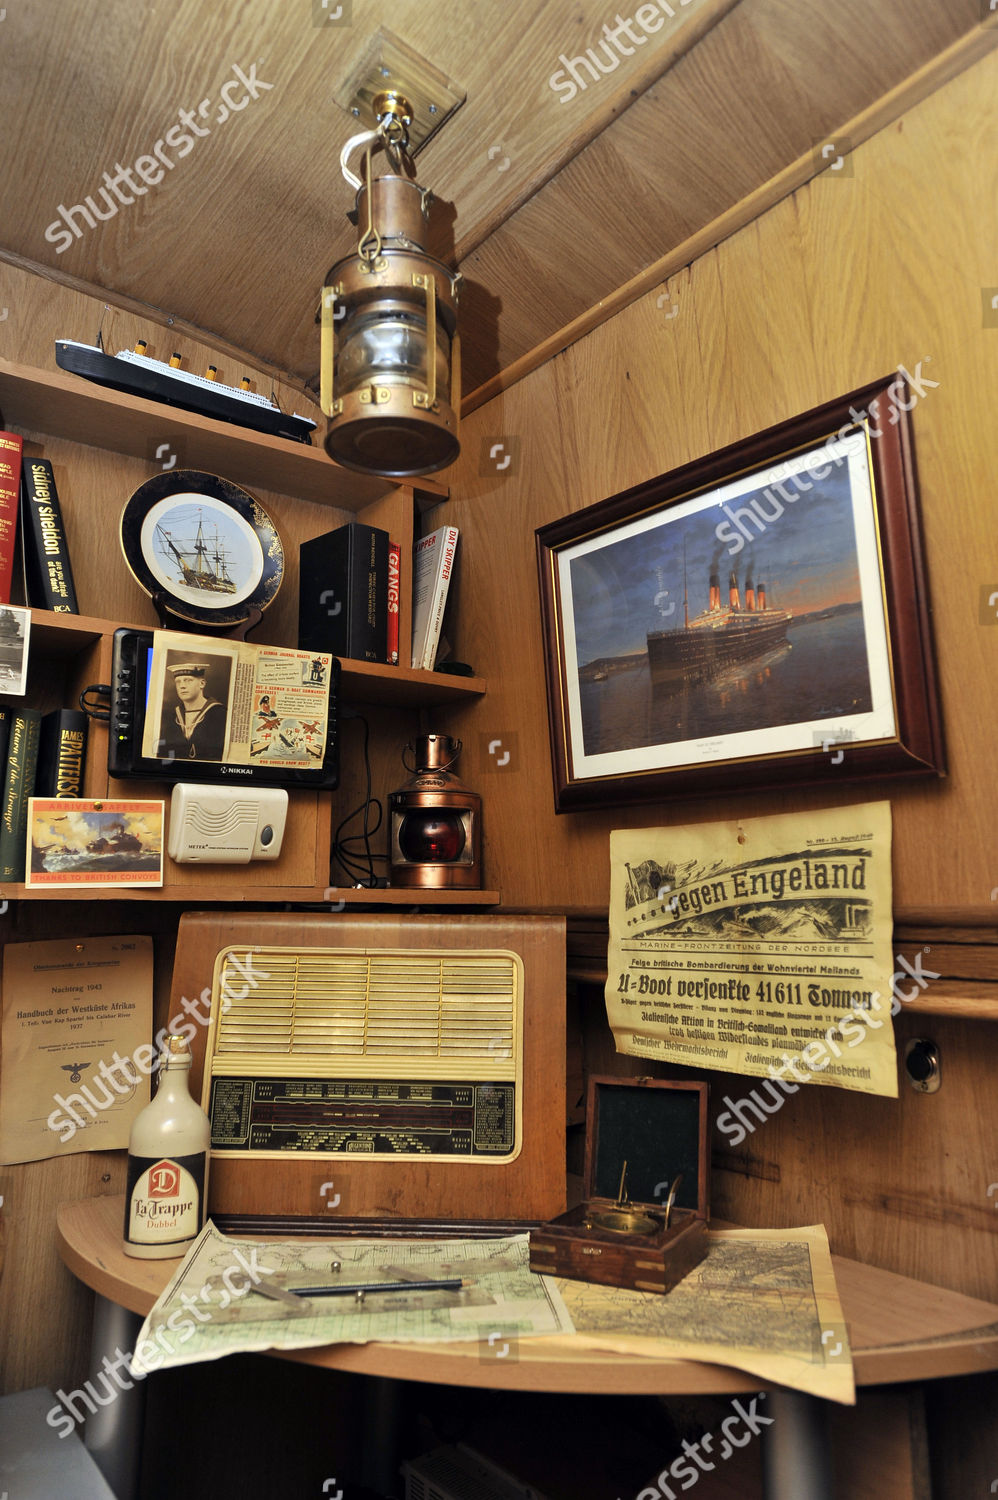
(390, 361)
(436, 821)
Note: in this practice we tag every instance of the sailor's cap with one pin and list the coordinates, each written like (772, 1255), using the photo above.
(189, 669)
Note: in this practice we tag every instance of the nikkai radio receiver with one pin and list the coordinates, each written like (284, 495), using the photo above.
(378, 1070)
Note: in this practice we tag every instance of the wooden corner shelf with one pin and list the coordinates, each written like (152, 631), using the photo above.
(67, 406)
(397, 896)
(372, 682)
(68, 651)
(360, 681)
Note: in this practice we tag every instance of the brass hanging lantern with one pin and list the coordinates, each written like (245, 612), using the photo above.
(390, 361)
(436, 821)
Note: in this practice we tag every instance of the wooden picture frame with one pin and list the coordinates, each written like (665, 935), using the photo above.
(756, 618)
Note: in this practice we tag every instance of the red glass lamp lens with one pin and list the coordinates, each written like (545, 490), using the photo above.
(431, 837)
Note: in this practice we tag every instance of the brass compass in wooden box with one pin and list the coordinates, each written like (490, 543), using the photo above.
(643, 1222)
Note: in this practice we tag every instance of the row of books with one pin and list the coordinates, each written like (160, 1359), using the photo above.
(41, 756)
(29, 504)
(348, 600)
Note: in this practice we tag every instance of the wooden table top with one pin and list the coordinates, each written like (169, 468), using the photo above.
(899, 1329)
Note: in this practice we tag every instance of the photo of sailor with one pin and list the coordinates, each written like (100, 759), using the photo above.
(193, 722)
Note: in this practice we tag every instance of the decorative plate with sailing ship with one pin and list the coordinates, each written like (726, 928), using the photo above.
(203, 546)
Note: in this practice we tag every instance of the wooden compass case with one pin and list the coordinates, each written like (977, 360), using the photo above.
(378, 1070)
(659, 1127)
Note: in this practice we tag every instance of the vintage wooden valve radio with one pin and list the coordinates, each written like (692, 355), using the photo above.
(643, 1222)
(377, 1068)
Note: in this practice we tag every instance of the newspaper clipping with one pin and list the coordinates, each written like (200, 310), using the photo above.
(229, 701)
(760, 947)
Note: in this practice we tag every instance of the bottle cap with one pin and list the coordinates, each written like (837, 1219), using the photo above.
(176, 1047)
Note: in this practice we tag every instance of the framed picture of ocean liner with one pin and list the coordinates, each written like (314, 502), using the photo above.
(757, 618)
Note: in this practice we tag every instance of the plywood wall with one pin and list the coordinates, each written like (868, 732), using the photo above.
(834, 287)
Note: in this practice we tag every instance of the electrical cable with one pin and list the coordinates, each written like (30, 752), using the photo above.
(357, 866)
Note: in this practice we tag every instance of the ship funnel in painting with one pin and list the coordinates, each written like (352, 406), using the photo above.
(715, 589)
(733, 600)
(761, 601)
(749, 592)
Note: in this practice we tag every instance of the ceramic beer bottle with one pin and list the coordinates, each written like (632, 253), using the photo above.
(167, 1164)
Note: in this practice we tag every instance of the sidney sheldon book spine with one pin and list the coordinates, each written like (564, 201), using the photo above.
(22, 759)
(62, 753)
(11, 447)
(47, 571)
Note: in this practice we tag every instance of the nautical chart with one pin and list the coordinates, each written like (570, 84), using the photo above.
(213, 1305)
(763, 1300)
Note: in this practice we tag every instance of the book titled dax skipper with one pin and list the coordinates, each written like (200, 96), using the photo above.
(48, 576)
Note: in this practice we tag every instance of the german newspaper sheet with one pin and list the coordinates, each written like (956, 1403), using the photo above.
(761, 946)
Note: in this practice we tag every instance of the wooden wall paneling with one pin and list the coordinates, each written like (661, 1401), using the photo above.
(846, 303)
(913, 294)
(45, 1313)
(898, 1183)
(851, 278)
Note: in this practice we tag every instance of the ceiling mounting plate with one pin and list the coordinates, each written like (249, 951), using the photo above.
(390, 64)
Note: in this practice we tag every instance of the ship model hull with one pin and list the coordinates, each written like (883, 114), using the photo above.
(716, 640)
(161, 385)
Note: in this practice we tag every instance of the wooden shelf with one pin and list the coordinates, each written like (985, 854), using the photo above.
(55, 404)
(397, 896)
(67, 406)
(371, 682)
(58, 638)
(899, 1329)
(360, 681)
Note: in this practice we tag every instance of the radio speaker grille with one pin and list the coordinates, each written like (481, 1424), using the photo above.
(344, 1005)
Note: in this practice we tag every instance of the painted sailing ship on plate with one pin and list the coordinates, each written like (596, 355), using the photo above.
(718, 638)
(199, 562)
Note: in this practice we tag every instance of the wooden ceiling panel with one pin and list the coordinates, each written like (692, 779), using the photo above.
(698, 143)
(554, 202)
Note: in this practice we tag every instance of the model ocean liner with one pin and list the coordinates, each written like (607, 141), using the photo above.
(716, 639)
(131, 371)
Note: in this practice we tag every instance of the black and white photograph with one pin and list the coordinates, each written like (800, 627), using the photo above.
(195, 705)
(15, 630)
